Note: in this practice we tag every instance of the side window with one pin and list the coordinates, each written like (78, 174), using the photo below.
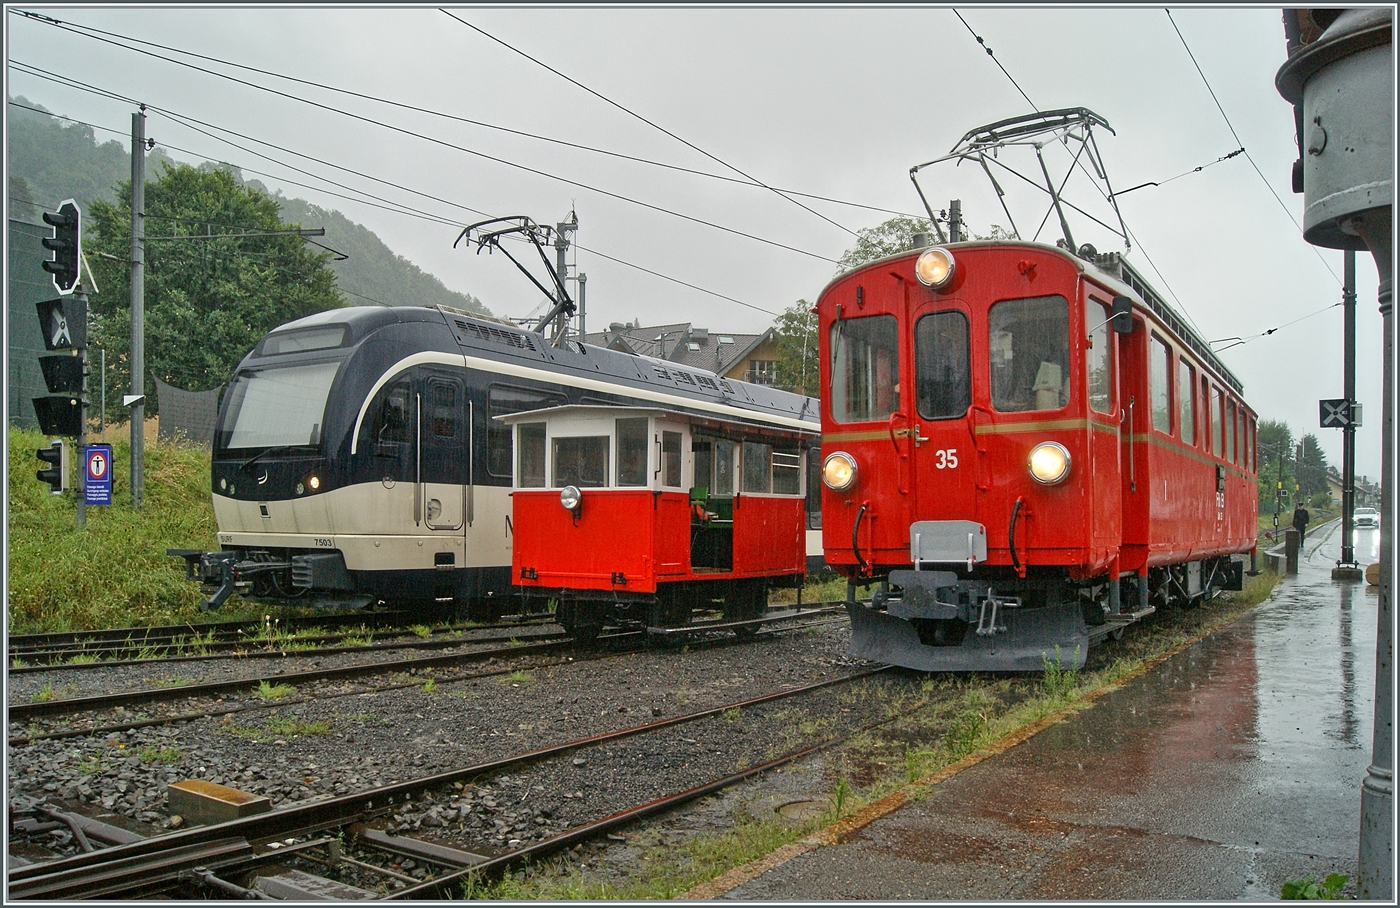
(671, 459)
(787, 472)
(391, 417)
(530, 469)
(1217, 423)
(942, 370)
(632, 451)
(1160, 382)
(1098, 357)
(442, 397)
(1028, 348)
(1230, 432)
(501, 400)
(1186, 400)
(758, 467)
(864, 368)
(724, 469)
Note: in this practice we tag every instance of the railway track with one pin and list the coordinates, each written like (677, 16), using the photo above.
(226, 858)
(103, 713)
(29, 652)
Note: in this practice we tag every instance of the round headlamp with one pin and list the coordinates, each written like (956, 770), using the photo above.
(314, 483)
(1048, 463)
(934, 267)
(839, 471)
(570, 497)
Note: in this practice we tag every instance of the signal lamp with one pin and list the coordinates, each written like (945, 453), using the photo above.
(934, 267)
(839, 471)
(1048, 463)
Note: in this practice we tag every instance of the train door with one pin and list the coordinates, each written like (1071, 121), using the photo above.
(936, 437)
(1136, 413)
(1105, 500)
(441, 465)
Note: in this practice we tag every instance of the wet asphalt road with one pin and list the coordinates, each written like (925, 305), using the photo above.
(1231, 768)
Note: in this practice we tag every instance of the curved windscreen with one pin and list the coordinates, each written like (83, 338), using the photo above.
(278, 407)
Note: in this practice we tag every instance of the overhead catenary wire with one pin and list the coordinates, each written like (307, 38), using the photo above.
(650, 123)
(1247, 156)
(83, 30)
(1035, 107)
(471, 151)
(398, 209)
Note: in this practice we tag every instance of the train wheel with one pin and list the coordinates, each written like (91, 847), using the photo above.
(584, 633)
(748, 600)
(583, 620)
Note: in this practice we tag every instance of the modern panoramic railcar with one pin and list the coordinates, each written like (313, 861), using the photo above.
(628, 515)
(1001, 450)
(357, 457)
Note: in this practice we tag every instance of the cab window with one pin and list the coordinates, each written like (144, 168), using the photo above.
(632, 451)
(1028, 351)
(864, 368)
(530, 467)
(671, 459)
(581, 461)
(942, 368)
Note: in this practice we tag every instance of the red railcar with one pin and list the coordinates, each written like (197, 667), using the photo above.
(628, 515)
(1001, 449)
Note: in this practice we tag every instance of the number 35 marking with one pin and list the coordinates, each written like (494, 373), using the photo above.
(945, 459)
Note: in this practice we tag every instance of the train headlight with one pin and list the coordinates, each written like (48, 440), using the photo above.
(223, 484)
(314, 483)
(571, 498)
(839, 471)
(299, 488)
(1048, 463)
(935, 267)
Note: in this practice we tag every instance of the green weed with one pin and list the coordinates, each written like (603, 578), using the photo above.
(269, 691)
(166, 755)
(518, 677)
(422, 631)
(1308, 888)
(1059, 682)
(429, 686)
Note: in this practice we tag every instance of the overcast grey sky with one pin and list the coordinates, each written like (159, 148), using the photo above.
(834, 102)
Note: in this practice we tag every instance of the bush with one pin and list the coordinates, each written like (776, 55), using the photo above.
(114, 572)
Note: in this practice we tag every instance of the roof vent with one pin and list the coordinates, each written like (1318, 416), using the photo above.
(700, 334)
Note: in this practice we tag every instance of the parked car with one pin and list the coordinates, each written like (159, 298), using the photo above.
(1365, 517)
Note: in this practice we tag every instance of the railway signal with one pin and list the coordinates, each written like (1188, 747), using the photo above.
(56, 473)
(63, 322)
(66, 244)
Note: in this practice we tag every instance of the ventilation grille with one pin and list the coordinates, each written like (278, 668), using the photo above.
(496, 335)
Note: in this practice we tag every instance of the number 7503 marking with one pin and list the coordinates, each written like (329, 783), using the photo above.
(945, 459)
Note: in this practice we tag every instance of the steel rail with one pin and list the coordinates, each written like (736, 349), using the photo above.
(305, 819)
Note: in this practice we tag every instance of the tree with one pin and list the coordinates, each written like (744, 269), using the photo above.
(214, 282)
(897, 235)
(893, 236)
(1312, 468)
(798, 369)
(1275, 443)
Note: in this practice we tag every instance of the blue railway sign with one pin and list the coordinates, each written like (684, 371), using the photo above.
(97, 461)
